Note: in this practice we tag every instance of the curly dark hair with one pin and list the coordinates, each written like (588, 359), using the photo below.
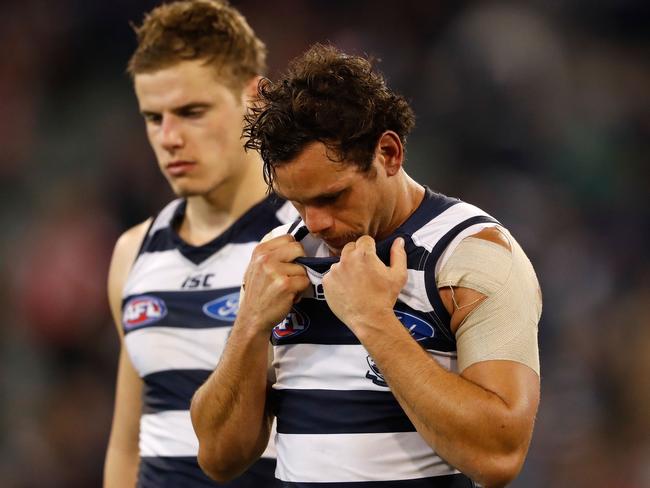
(330, 97)
(208, 30)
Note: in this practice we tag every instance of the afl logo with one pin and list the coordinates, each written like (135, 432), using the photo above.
(224, 308)
(293, 324)
(419, 329)
(143, 310)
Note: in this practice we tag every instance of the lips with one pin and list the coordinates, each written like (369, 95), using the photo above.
(179, 168)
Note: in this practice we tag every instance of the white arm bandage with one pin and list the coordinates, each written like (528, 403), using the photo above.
(504, 325)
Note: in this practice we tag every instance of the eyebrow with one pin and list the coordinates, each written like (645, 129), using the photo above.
(323, 196)
(181, 109)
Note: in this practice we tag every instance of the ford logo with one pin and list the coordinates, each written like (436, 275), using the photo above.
(418, 328)
(224, 308)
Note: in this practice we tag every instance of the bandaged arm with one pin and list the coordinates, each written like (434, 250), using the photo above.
(504, 325)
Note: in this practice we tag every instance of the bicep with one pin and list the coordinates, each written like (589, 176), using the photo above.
(124, 254)
(516, 384)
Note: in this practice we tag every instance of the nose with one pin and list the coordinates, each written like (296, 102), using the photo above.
(170, 133)
(317, 219)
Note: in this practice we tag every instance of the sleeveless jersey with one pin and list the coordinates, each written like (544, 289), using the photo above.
(179, 304)
(338, 423)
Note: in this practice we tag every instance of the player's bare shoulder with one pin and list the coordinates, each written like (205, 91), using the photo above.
(124, 254)
(495, 235)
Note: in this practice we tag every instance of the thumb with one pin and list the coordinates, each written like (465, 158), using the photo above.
(398, 257)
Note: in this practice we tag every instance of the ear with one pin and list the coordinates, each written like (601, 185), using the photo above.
(390, 152)
(249, 91)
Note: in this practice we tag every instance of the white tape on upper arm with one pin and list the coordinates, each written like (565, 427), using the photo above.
(504, 325)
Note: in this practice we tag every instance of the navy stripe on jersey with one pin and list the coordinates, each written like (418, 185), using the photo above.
(320, 265)
(178, 306)
(450, 481)
(178, 472)
(336, 332)
(246, 229)
(171, 389)
(339, 412)
(328, 329)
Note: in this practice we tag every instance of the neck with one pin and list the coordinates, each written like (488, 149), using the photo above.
(207, 216)
(407, 198)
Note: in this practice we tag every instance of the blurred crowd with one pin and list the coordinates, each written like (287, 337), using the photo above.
(537, 111)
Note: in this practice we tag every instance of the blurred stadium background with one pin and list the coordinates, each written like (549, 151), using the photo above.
(537, 110)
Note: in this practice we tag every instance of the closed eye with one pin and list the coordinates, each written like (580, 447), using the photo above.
(325, 200)
(152, 117)
(192, 112)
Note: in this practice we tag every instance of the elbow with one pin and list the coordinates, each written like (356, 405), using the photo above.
(500, 470)
(215, 466)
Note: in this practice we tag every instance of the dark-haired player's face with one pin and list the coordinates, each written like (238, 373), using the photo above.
(194, 124)
(337, 202)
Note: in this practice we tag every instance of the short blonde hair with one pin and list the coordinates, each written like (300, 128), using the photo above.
(209, 30)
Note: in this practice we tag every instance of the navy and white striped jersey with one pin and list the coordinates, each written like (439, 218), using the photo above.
(338, 423)
(179, 304)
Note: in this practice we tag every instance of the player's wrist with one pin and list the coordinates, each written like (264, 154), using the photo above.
(372, 321)
(252, 328)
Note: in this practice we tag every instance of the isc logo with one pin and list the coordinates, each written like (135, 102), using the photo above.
(293, 324)
(143, 310)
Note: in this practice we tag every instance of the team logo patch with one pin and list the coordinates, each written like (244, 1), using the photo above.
(143, 310)
(374, 374)
(224, 308)
(293, 324)
(419, 329)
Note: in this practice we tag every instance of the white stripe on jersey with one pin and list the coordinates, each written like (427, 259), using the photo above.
(414, 292)
(167, 433)
(429, 234)
(175, 348)
(357, 457)
(166, 270)
(432, 232)
(332, 367)
(170, 433)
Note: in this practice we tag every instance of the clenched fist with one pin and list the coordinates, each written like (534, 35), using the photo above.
(360, 288)
(272, 283)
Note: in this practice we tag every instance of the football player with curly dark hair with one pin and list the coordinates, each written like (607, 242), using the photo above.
(403, 322)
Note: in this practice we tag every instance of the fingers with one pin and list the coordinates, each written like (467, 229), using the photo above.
(290, 285)
(366, 244)
(279, 249)
(290, 269)
(276, 242)
(398, 257)
(348, 248)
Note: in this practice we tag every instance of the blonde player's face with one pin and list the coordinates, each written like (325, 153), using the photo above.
(194, 125)
(337, 202)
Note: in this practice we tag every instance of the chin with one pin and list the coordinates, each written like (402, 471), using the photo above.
(185, 192)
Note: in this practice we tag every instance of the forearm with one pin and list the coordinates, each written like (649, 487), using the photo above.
(229, 411)
(472, 428)
(120, 467)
